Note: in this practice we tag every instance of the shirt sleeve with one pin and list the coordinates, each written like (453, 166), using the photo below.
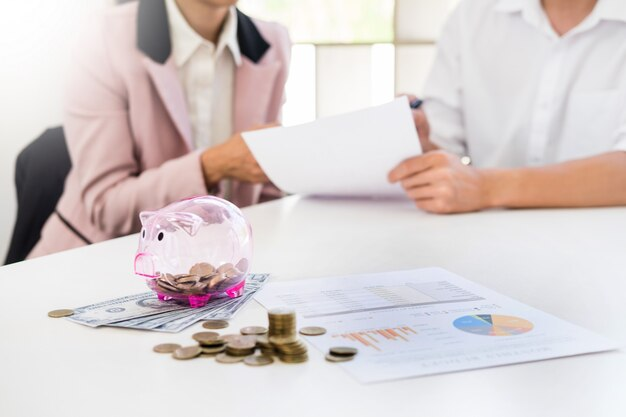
(443, 90)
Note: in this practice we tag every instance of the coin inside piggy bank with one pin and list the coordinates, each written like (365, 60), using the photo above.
(194, 250)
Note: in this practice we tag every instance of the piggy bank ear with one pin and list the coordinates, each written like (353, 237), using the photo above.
(189, 222)
(145, 215)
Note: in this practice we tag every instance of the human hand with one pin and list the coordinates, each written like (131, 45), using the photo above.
(232, 159)
(439, 182)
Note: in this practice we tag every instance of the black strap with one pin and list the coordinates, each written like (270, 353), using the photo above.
(72, 228)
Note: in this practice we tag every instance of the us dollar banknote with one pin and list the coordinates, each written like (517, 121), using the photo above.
(146, 312)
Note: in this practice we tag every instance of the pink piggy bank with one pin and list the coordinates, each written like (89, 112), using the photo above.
(195, 249)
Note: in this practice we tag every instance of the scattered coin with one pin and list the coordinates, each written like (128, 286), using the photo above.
(334, 358)
(279, 340)
(208, 338)
(312, 331)
(253, 330)
(258, 360)
(224, 358)
(188, 352)
(166, 348)
(212, 350)
(66, 312)
(215, 324)
(343, 351)
(230, 337)
(240, 348)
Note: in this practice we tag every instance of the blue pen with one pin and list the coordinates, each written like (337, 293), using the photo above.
(416, 104)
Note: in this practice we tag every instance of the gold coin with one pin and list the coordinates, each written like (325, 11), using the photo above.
(66, 312)
(238, 338)
(283, 340)
(208, 338)
(343, 351)
(166, 348)
(215, 324)
(241, 345)
(333, 358)
(230, 337)
(224, 358)
(240, 348)
(253, 330)
(312, 331)
(202, 269)
(295, 350)
(258, 360)
(281, 311)
(188, 352)
(263, 341)
(294, 358)
(224, 267)
(213, 349)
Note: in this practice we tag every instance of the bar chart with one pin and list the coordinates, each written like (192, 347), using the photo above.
(374, 338)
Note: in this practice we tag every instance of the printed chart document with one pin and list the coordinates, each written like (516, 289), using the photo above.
(348, 155)
(425, 321)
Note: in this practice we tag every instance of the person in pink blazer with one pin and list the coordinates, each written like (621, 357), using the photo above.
(128, 127)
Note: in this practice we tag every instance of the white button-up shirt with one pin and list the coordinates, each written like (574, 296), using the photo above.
(206, 72)
(506, 90)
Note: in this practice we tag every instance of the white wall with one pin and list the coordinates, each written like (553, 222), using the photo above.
(36, 37)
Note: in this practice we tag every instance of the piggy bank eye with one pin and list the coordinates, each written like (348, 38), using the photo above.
(160, 236)
(143, 234)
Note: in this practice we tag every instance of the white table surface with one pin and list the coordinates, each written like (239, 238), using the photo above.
(570, 263)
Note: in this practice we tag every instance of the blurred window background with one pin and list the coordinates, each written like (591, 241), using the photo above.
(347, 54)
(351, 54)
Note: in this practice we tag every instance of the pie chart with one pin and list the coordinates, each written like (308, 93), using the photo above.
(493, 325)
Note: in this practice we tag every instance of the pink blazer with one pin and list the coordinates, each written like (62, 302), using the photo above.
(127, 125)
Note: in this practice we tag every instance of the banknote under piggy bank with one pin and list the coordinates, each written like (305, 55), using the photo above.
(194, 250)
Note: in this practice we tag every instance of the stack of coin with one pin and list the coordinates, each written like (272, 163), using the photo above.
(211, 343)
(294, 352)
(283, 336)
(263, 343)
(241, 347)
(282, 323)
(281, 340)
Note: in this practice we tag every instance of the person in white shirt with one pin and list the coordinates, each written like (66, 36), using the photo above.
(534, 93)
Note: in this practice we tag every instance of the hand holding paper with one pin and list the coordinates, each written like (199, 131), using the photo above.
(345, 155)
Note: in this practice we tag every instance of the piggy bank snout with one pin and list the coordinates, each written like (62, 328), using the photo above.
(145, 265)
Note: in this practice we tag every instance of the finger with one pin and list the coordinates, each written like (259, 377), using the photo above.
(433, 205)
(417, 164)
(428, 177)
(419, 118)
(425, 192)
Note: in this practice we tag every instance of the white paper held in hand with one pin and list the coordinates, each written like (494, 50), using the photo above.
(347, 155)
